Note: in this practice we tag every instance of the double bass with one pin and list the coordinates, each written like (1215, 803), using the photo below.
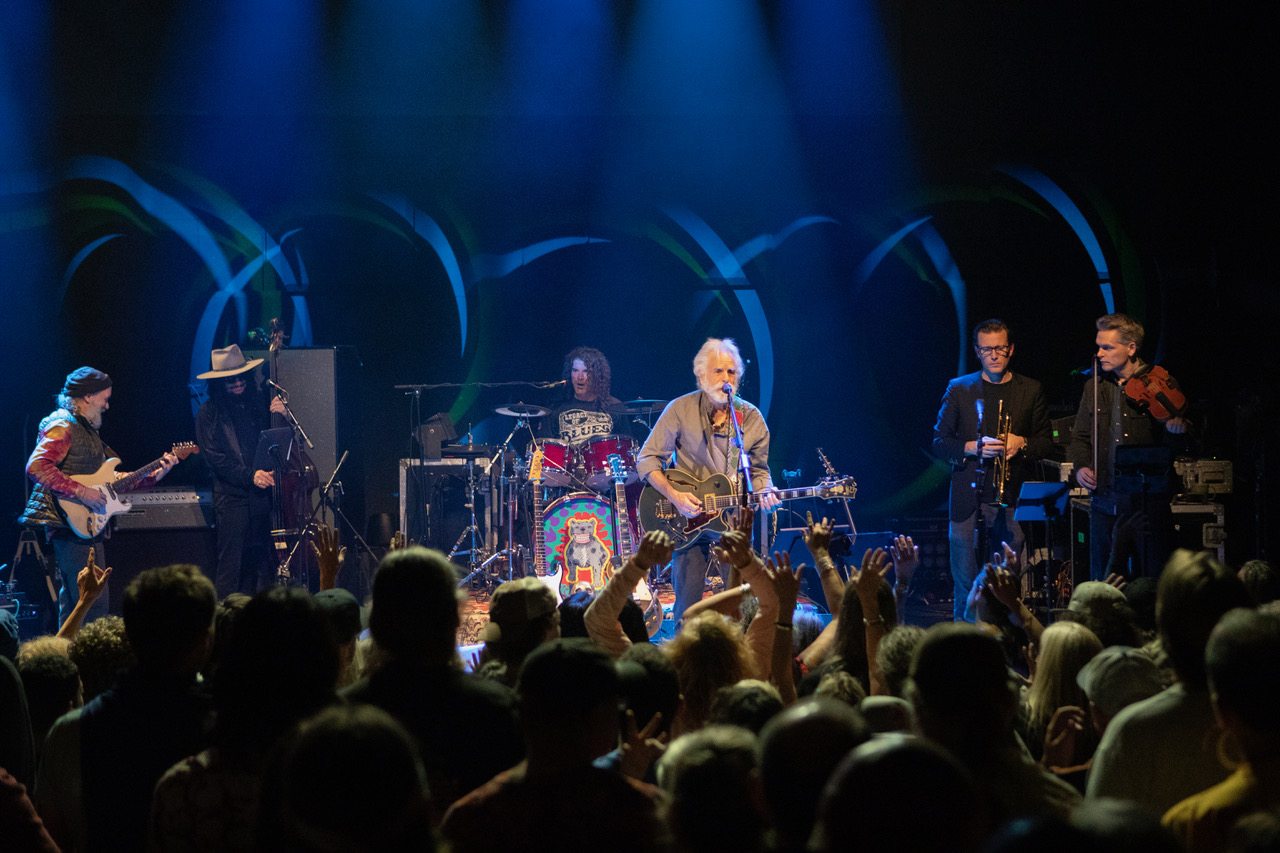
(295, 477)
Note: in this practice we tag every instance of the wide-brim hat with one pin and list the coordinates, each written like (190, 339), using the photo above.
(228, 361)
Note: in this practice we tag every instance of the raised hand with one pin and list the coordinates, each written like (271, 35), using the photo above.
(906, 558)
(786, 583)
(655, 550)
(746, 517)
(1004, 587)
(1008, 559)
(867, 581)
(734, 549)
(1060, 736)
(817, 535)
(330, 555)
(640, 748)
(92, 580)
(398, 542)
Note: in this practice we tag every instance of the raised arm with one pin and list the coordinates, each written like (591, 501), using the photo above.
(601, 617)
(867, 584)
(817, 538)
(786, 589)
(91, 581)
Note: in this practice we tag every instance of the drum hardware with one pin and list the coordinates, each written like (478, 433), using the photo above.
(522, 410)
(465, 451)
(637, 407)
(474, 563)
(508, 486)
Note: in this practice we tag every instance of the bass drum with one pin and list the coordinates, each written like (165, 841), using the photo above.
(577, 538)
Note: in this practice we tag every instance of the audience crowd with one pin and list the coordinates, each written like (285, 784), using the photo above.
(1146, 716)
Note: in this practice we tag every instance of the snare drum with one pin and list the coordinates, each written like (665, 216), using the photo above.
(596, 453)
(577, 535)
(558, 461)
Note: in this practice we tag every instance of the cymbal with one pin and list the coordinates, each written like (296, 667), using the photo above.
(465, 450)
(638, 407)
(522, 410)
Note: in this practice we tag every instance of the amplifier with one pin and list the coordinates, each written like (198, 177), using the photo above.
(167, 508)
(1204, 476)
(435, 506)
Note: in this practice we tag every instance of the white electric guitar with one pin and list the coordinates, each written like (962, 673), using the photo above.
(86, 523)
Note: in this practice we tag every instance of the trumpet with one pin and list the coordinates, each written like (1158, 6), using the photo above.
(1003, 426)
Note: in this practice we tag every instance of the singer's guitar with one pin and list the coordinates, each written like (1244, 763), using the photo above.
(86, 523)
(719, 500)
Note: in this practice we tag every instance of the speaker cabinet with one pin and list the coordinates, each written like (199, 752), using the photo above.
(130, 552)
(321, 385)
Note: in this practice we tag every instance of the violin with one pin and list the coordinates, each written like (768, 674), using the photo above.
(1156, 392)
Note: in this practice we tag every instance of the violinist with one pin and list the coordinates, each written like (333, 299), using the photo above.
(1121, 416)
(227, 429)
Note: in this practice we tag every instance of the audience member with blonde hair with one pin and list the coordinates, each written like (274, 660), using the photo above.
(708, 653)
(1065, 648)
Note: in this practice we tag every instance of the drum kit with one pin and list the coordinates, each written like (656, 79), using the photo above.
(567, 512)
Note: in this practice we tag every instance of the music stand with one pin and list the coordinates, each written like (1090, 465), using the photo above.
(1044, 501)
(268, 456)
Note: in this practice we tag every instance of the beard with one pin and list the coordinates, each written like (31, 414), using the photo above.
(94, 418)
(713, 390)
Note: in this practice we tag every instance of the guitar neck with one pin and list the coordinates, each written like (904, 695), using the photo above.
(130, 481)
(721, 502)
(625, 546)
(539, 548)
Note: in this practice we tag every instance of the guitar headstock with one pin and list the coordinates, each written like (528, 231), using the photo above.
(535, 468)
(830, 488)
(184, 449)
(615, 467)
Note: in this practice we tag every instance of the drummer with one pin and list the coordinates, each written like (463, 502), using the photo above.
(585, 412)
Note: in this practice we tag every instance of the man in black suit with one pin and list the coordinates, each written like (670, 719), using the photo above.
(956, 439)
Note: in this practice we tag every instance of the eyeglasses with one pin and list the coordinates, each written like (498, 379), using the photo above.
(1000, 351)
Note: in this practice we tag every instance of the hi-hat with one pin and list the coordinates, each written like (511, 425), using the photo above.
(638, 407)
(465, 450)
(522, 410)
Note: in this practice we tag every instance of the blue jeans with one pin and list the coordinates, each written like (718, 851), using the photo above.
(689, 575)
(964, 564)
(71, 553)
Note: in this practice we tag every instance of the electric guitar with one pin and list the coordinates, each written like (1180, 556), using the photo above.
(718, 500)
(643, 595)
(539, 537)
(86, 523)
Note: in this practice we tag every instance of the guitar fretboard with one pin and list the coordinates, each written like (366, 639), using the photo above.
(717, 503)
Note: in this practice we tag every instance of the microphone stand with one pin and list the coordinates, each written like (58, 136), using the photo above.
(288, 413)
(744, 463)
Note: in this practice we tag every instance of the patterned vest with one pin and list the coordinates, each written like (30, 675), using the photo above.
(86, 455)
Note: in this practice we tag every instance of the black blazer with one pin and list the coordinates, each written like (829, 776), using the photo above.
(958, 424)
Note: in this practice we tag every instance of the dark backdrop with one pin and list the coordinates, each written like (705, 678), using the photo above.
(637, 176)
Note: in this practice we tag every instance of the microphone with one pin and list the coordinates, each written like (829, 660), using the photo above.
(727, 389)
(277, 387)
